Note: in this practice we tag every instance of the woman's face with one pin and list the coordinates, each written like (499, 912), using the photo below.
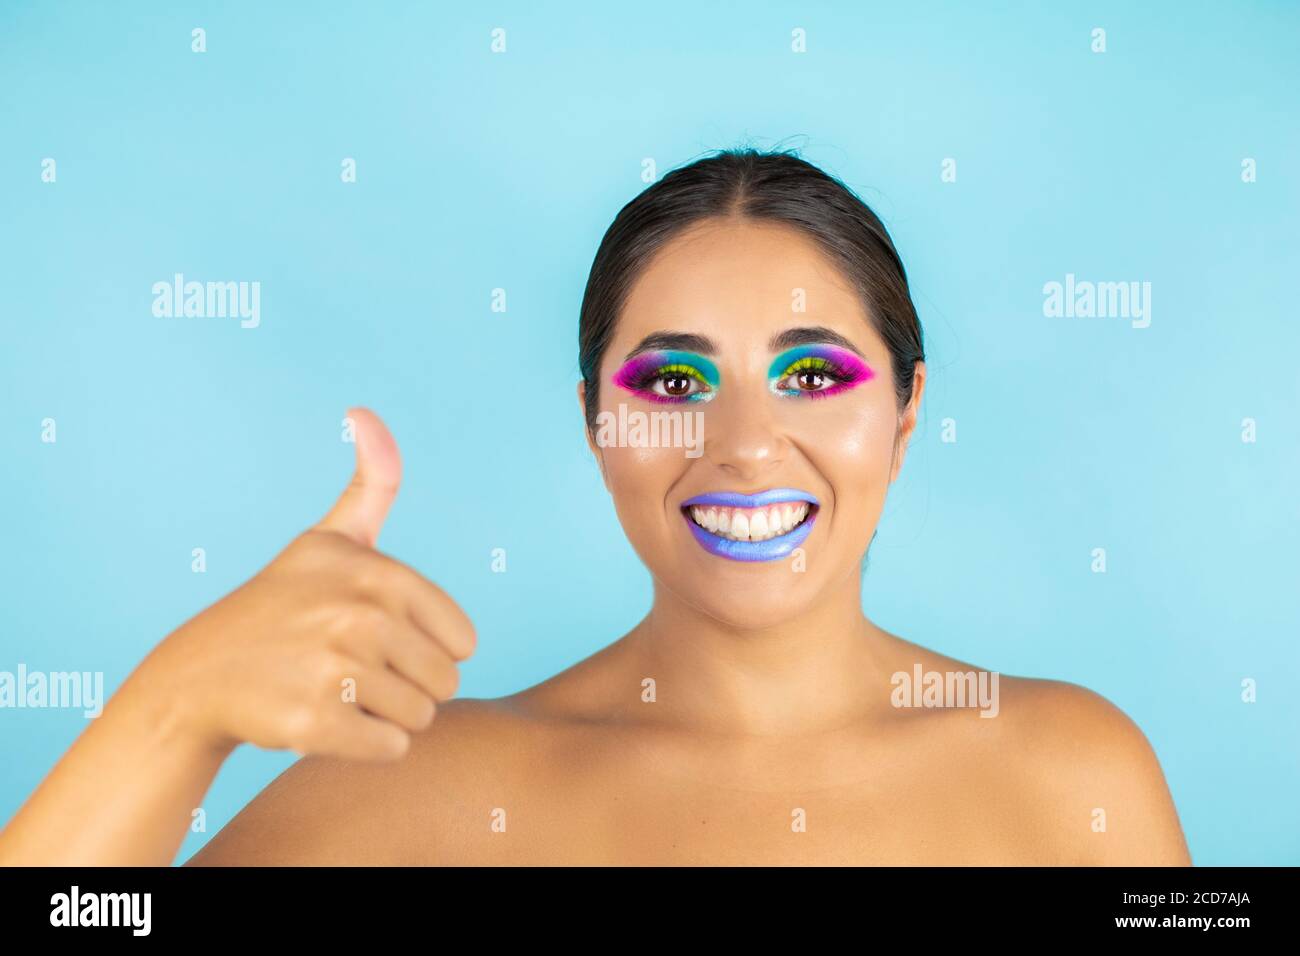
(745, 351)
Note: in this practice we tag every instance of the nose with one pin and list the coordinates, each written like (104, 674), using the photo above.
(742, 437)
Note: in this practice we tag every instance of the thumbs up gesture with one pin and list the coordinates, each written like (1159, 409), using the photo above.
(333, 648)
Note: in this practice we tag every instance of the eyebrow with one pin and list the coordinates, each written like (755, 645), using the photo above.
(812, 335)
(674, 341)
(702, 345)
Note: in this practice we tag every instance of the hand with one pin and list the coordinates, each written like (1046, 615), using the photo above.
(333, 648)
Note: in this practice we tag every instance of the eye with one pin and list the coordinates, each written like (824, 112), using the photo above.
(808, 380)
(669, 377)
(673, 383)
(812, 373)
(817, 371)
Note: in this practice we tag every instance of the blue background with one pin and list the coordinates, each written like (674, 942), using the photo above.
(478, 170)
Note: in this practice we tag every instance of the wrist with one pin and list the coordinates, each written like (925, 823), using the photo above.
(175, 715)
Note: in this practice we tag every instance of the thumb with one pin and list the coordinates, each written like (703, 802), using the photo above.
(361, 509)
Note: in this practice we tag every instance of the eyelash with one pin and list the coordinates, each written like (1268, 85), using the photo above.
(845, 377)
(642, 374)
(642, 381)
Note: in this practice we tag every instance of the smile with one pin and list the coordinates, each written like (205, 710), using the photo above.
(761, 527)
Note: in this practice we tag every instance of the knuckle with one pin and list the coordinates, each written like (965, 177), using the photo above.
(345, 618)
(317, 547)
(325, 666)
(371, 573)
(331, 672)
(365, 619)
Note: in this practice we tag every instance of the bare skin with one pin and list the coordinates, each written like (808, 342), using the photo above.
(581, 785)
(771, 736)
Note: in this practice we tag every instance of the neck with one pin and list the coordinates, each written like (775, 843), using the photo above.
(820, 671)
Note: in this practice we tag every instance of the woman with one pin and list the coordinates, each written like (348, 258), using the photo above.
(754, 716)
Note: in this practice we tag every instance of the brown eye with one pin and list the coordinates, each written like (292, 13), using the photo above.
(811, 381)
(677, 384)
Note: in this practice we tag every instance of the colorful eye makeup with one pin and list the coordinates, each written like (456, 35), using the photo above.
(817, 371)
(669, 376)
(810, 371)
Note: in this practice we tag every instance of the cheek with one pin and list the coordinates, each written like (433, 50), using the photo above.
(851, 444)
(866, 447)
(640, 479)
(640, 476)
(865, 420)
(640, 465)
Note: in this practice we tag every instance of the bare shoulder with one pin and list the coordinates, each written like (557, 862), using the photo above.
(326, 811)
(1076, 775)
(1099, 793)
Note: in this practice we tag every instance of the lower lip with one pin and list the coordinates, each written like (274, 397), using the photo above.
(770, 550)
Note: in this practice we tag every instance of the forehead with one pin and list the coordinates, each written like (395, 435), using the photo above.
(738, 282)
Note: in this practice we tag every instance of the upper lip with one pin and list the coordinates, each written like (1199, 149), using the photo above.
(736, 499)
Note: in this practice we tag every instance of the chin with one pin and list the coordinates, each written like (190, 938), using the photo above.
(753, 609)
(743, 595)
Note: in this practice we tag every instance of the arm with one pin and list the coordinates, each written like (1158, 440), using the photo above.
(332, 649)
(123, 793)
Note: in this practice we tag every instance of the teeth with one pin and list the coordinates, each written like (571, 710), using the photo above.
(738, 524)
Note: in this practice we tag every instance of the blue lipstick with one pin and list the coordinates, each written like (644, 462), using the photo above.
(770, 549)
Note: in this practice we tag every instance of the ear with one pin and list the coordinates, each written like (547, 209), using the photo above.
(596, 450)
(907, 421)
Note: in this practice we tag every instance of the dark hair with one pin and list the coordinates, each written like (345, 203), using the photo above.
(751, 184)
